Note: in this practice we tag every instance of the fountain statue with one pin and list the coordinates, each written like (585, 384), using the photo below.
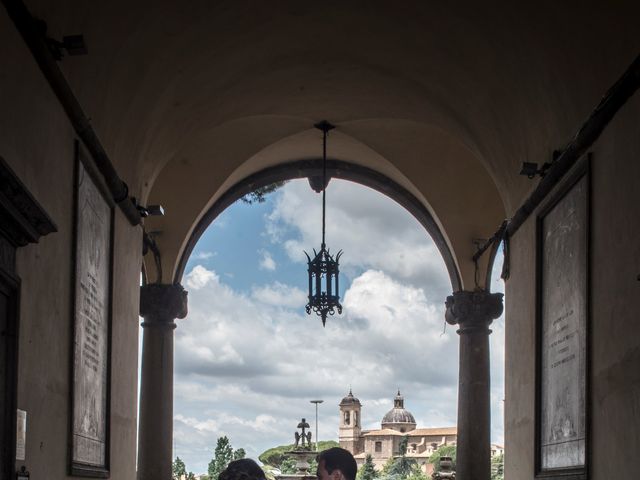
(302, 452)
(305, 437)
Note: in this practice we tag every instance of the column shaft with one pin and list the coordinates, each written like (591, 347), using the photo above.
(474, 410)
(159, 306)
(155, 439)
(474, 312)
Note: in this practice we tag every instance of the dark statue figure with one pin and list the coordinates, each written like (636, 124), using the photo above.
(303, 440)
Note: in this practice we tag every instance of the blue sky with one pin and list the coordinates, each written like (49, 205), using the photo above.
(249, 359)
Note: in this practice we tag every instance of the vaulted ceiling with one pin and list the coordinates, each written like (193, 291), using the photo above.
(444, 98)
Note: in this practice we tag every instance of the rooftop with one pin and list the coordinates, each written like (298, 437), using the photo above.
(418, 432)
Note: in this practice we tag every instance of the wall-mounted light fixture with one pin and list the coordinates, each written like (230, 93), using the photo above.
(530, 169)
(72, 44)
(150, 210)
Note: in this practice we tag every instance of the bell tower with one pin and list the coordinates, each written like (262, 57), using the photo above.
(350, 427)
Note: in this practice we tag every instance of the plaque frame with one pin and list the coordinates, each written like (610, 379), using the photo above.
(77, 468)
(10, 286)
(578, 472)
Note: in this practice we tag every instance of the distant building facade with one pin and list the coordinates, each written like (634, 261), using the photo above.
(496, 450)
(384, 443)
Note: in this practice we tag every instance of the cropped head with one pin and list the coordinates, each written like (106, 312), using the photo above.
(336, 464)
(243, 469)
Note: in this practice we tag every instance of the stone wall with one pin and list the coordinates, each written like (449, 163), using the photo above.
(615, 303)
(389, 446)
(37, 142)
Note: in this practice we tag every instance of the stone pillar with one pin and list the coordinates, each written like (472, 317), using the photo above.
(160, 305)
(473, 312)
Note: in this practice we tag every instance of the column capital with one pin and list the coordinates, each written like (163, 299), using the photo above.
(162, 303)
(473, 310)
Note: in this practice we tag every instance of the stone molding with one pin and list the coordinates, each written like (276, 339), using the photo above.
(7, 255)
(473, 311)
(161, 304)
(24, 221)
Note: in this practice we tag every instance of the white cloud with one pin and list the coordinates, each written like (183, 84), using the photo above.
(199, 277)
(373, 231)
(497, 339)
(248, 365)
(279, 294)
(267, 262)
(208, 425)
(392, 309)
(203, 255)
(248, 362)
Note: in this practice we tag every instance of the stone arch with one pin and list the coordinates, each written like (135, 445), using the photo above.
(335, 169)
(443, 180)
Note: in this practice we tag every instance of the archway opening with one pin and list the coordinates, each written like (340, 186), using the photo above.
(249, 360)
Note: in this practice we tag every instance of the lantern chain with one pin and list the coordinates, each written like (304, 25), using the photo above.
(324, 182)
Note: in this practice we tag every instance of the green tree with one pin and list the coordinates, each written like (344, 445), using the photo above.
(444, 451)
(259, 195)
(239, 453)
(313, 466)
(276, 455)
(178, 468)
(417, 474)
(191, 476)
(368, 470)
(401, 467)
(222, 455)
(387, 467)
(288, 465)
(497, 467)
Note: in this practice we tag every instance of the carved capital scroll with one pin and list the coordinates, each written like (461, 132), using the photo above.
(473, 311)
(161, 304)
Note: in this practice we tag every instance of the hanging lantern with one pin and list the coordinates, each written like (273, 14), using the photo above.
(323, 269)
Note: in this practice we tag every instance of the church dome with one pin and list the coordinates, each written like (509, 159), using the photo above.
(349, 400)
(398, 414)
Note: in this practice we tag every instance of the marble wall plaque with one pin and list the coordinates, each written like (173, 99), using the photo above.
(563, 268)
(21, 434)
(92, 319)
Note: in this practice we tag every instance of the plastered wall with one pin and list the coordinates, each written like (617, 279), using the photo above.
(615, 315)
(37, 142)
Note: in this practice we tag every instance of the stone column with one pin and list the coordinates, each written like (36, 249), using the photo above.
(473, 312)
(160, 305)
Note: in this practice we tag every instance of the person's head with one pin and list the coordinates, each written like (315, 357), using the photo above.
(243, 469)
(336, 464)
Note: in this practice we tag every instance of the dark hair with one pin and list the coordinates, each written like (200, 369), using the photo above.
(243, 469)
(337, 458)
